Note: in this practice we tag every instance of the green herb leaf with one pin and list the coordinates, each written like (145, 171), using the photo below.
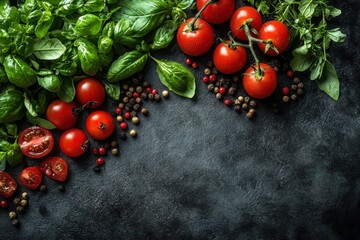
(88, 56)
(67, 90)
(29, 105)
(307, 8)
(48, 49)
(19, 72)
(127, 65)
(164, 35)
(329, 81)
(184, 4)
(301, 62)
(336, 35)
(52, 83)
(14, 156)
(11, 129)
(44, 24)
(67, 7)
(88, 24)
(11, 106)
(40, 121)
(94, 6)
(112, 90)
(176, 78)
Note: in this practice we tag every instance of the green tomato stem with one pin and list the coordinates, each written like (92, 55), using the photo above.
(258, 72)
(197, 16)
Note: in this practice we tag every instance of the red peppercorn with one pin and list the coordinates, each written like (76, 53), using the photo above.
(123, 125)
(149, 89)
(290, 73)
(95, 151)
(102, 151)
(127, 115)
(100, 161)
(4, 204)
(285, 90)
(154, 91)
(118, 111)
(194, 65)
(212, 78)
(222, 90)
(205, 79)
(136, 95)
(227, 102)
(188, 61)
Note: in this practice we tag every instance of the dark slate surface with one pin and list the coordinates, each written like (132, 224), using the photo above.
(200, 171)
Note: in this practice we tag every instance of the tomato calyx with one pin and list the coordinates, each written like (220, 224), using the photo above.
(251, 28)
(102, 126)
(85, 145)
(89, 105)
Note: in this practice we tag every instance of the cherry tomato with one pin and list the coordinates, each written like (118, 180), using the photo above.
(279, 35)
(257, 86)
(63, 115)
(240, 16)
(218, 12)
(198, 41)
(100, 125)
(30, 177)
(229, 59)
(55, 168)
(36, 142)
(90, 92)
(73, 142)
(7, 184)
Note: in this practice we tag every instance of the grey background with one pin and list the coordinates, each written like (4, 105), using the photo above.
(198, 170)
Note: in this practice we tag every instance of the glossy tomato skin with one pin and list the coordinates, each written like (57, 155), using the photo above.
(90, 92)
(36, 142)
(63, 115)
(229, 60)
(73, 142)
(240, 16)
(197, 42)
(30, 177)
(55, 168)
(8, 184)
(263, 87)
(218, 12)
(100, 125)
(278, 33)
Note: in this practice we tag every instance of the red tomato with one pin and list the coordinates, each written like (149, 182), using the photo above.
(30, 177)
(7, 184)
(260, 86)
(73, 142)
(90, 92)
(63, 115)
(100, 125)
(198, 41)
(277, 33)
(218, 12)
(36, 142)
(239, 18)
(229, 59)
(55, 168)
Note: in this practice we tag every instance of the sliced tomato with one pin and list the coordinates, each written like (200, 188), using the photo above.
(55, 168)
(36, 142)
(7, 184)
(30, 177)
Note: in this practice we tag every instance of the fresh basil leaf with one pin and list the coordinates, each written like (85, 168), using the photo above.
(2, 161)
(127, 65)
(14, 156)
(184, 4)
(67, 7)
(332, 12)
(112, 90)
(106, 59)
(3, 78)
(5, 145)
(67, 69)
(44, 24)
(48, 49)
(29, 105)
(178, 16)
(24, 47)
(176, 78)
(52, 83)
(124, 34)
(8, 15)
(336, 35)
(67, 90)
(40, 121)
(307, 8)
(4, 38)
(164, 35)
(94, 6)
(329, 81)
(11, 106)
(105, 44)
(34, 16)
(19, 72)
(108, 30)
(88, 55)
(301, 62)
(88, 25)
(11, 129)
(317, 69)
(3, 134)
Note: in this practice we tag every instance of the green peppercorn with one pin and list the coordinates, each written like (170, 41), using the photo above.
(42, 188)
(24, 202)
(165, 94)
(135, 120)
(285, 99)
(133, 133)
(12, 215)
(219, 96)
(252, 103)
(114, 143)
(20, 209)
(125, 86)
(296, 80)
(211, 87)
(25, 195)
(144, 111)
(294, 97)
(115, 151)
(16, 201)
(15, 222)
(207, 71)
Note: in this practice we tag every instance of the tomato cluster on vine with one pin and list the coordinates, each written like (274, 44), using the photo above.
(196, 37)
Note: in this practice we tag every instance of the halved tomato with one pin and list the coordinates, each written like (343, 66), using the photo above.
(30, 177)
(55, 168)
(36, 142)
(7, 184)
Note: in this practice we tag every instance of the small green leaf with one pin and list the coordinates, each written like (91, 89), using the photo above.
(40, 121)
(11, 129)
(329, 81)
(14, 156)
(184, 4)
(164, 35)
(94, 6)
(307, 8)
(176, 78)
(88, 25)
(44, 24)
(67, 90)
(336, 35)
(48, 49)
(301, 62)
(29, 106)
(317, 69)
(112, 90)
(52, 83)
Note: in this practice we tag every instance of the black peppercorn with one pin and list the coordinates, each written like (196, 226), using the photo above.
(293, 87)
(296, 80)
(128, 94)
(122, 136)
(232, 91)
(42, 188)
(16, 201)
(20, 209)
(294, 97)
(96, 168)
(144, 111)
(235, 79)
(61, 188)
(299, 91)
(125, 100)
(209, 63)
(127, 108)
(211, 87)
(136, 107)
(215, 71)
(144, 96)
(132, 101)
(217, 84)
(300, 85)
(151, 96)
(286, 99)
(157, 97)
(237, 108)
